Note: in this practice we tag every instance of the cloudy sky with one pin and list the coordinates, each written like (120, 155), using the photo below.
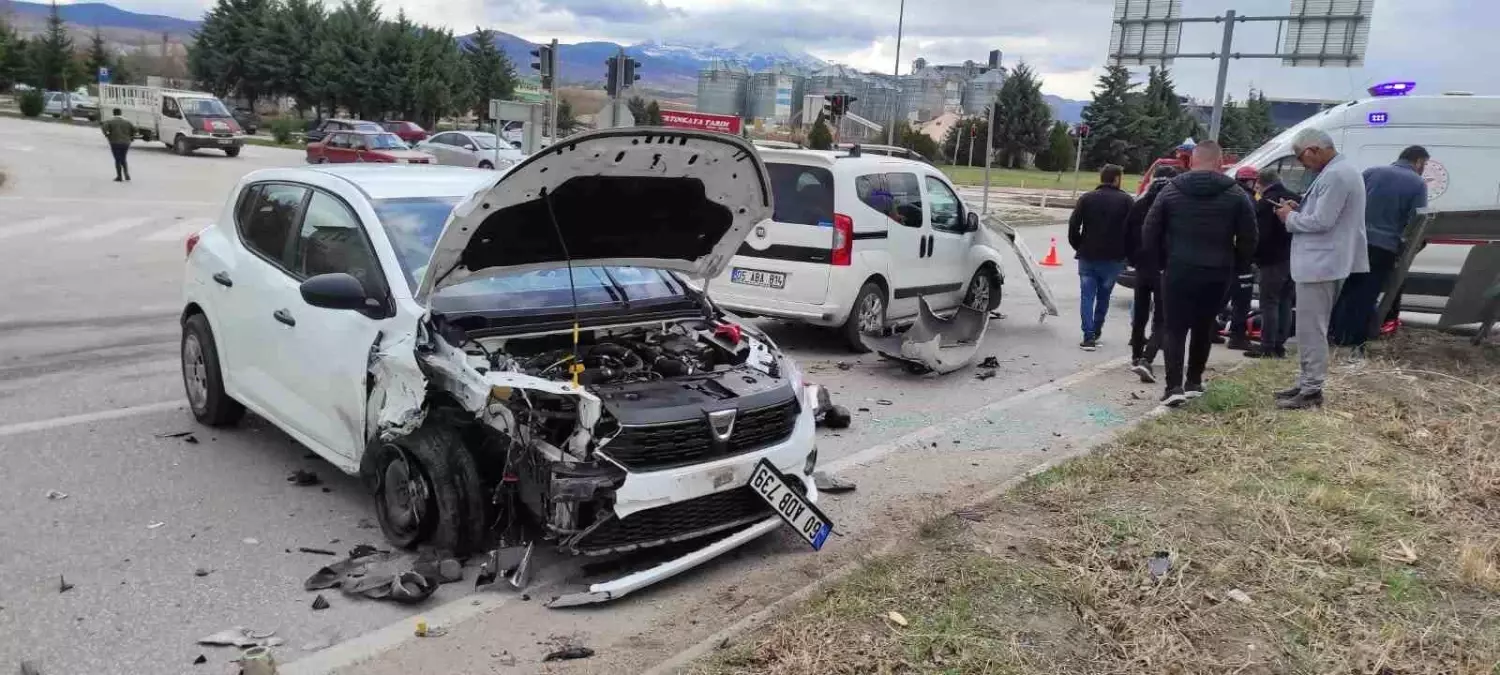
(1441, 44)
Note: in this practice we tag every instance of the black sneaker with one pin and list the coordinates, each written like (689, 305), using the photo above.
(1193, 390)
(1174, 397)
(1285, 394)
(1238, 344)
(1302, 401)
(1219, 339)
(119, 179)
(1142, 369)
(1088, 345)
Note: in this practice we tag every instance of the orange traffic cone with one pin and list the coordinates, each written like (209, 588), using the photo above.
(1051, 259)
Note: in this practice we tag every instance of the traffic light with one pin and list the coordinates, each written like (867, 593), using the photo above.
(839, 103)
(631, 76)
(612, 76)
(545, 59)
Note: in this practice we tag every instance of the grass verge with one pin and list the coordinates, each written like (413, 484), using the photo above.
(271, 143)
(1031, 178)
(1228, 537)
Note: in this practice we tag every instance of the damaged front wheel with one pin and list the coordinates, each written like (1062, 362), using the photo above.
(427, 491)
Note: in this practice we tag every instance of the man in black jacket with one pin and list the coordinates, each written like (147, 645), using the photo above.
(1096, 231)
(1147, 305)
(1273, 256)
(1203, 227)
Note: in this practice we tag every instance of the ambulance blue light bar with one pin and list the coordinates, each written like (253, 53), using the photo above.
(1392, 89)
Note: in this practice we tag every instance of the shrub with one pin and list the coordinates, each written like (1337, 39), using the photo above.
(31, 102)
(282, 129)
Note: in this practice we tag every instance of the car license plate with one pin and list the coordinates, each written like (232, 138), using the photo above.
(802, 515)
(740, 275)
(225, 141)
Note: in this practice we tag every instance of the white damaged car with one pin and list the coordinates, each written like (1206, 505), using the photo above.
(516, 357)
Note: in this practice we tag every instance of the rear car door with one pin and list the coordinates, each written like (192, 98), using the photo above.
(948, 244)
(788, 258)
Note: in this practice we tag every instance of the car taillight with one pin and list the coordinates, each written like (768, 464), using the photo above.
(192, 242)
(843, 240)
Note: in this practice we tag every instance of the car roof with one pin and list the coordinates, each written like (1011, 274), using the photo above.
(839, 160)
(392, 182)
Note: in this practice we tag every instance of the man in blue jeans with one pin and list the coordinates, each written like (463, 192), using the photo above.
(1098, 234)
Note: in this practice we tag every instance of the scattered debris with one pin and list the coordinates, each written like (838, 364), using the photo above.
(1238, 595)
(55, 495)
(1135, 396)
(936, 344)
(883, 402)
(302, 478)
(1159, 565)
(317, 551)
(827, 414)
(895, 617)
(200, 660)
(423, 630)
(155, 525)
(175, 434)
(989, 362)
(30, 668)
(62, 584)
(366, 524)
(251, 541)
(830, 483)
(971, 515)
(202, 572)
(569, 653)
(257, 661)
(362, 550)
(322, 641)
(238, 636)
(844, 365)
(191, 440)
(984, 374)
(864, 410)
(439, 567)
(320, 602)
(373, 575)
(504, 658)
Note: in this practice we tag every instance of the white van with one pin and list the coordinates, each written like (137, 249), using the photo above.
(184, 120)
(855, 240)
(1460, 131)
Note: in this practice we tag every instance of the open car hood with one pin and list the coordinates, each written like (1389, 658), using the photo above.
(646, 197)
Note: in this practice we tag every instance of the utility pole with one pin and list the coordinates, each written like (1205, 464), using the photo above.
(890, 132)
(554, 77)
(1217, 121)
(972, 132)
(989, 153)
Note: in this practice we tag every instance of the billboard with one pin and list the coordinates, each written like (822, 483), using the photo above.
(1145, 32)
(724, 124)
(1327, 33)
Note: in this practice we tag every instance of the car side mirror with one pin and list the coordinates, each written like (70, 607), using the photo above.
(336, 290)
(971, 222)
(470, 148)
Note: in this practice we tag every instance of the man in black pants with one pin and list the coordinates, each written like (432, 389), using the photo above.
(1273, 257)
(1203, 228)
(1147, 305)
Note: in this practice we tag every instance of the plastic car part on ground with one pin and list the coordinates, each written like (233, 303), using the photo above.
(376, 575)
(936, 344)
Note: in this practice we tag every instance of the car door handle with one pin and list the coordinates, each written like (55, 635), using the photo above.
(922, 247)
(223, 279)
(284, 317)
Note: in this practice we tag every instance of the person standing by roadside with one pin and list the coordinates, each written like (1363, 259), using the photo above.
(1243, 288)
(119, 132)
(1392, 196)
(1096, 231)
(1146, 307)
(1203, 228)
(1328, 244)
(1273, 256)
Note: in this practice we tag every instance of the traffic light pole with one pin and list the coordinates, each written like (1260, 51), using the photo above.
(989, 153)
(552, 92)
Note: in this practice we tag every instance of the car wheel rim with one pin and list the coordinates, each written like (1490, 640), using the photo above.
(195, 373)
(979, 292)
(871, 315)
(403, 498)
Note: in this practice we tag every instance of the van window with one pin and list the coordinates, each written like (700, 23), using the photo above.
(803, 194)
(1294, 176)
(906, 198)
(947, 215)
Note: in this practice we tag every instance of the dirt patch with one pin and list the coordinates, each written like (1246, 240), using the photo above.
(1226, 537)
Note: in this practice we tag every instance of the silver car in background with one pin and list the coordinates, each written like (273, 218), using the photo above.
(474, 149)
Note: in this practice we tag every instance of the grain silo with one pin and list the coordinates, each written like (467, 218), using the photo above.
(775, 95)
(879, 104)
(835, 79)
(922, 95)
(980, 90)
(723, 89)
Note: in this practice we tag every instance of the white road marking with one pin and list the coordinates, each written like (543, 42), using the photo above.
(105, 229)
(88, 418)
(179, 230)
(33, 226)
(102, 202)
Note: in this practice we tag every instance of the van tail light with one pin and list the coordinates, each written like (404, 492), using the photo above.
(843, 240)
(192, 242)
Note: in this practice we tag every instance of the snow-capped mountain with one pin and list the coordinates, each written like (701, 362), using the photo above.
(755, 56)
(664, 65)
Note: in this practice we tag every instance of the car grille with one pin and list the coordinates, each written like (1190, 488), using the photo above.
(674, 522)
(663, 446)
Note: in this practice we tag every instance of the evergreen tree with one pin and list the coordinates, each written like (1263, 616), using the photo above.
(1059, 153)
(820, 138)
(637, 107)
(566, 122)
(1022, 118)
(98, 55)
(52, 55)
(12, 56)
(653, 112)
(1110, 116)
(965, 141)
(494, 77)
(1161, 123)
(300, 22)
(1234, 129)
(1258, 119)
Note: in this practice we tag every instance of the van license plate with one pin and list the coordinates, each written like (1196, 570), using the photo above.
(793, 508)
(740, 275)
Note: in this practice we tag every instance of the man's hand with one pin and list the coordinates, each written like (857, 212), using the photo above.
(1284, 209)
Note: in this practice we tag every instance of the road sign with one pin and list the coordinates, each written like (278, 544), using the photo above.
(725, 124)
(1327, 33)
(103, 75)
(1145, 32)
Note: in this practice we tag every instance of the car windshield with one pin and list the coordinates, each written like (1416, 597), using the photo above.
(385, 142)
(202, 107)
(485, 141)
(367, 126)
(413, 226)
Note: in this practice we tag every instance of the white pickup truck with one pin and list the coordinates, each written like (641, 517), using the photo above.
(184, 120)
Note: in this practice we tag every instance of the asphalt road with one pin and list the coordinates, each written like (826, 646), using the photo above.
(90, 392)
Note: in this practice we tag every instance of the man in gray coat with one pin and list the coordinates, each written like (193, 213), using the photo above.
(1328, 244)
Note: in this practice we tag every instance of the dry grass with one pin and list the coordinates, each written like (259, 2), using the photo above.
(1359, 539)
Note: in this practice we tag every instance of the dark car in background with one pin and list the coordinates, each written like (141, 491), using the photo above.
(247, 117)
(411, 132)
(317, 130)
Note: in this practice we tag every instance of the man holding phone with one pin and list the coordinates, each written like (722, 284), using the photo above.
(1328, 244)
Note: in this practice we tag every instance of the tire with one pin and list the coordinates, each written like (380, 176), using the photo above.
(837, 417)
(202, 380)
(449, 512)
(180, 146)
(232, 152)
(486, 165)
(986, 285)
(870, 299)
